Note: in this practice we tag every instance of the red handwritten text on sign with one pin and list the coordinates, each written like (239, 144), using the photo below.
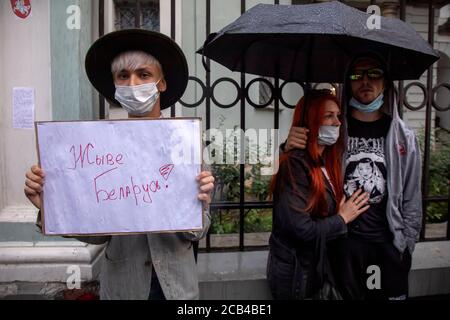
(83, 156)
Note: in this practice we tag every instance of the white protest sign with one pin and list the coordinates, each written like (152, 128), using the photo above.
(123, 176)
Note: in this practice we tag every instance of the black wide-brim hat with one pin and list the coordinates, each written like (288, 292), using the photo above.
(165, 50)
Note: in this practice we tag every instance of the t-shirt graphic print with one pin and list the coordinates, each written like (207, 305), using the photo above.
(366, 168)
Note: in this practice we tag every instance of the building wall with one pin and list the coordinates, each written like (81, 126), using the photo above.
(2, 119)
(42, 53)
(24, 62)
(72, 92)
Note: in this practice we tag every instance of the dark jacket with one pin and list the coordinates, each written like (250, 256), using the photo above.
(292, 259)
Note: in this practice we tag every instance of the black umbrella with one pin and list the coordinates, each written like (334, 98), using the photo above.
(315, 43)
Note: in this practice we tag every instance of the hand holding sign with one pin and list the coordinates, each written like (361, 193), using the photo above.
(34, 184)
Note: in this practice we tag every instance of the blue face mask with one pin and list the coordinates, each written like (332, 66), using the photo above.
(368, 108)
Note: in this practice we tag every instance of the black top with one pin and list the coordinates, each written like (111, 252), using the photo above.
(365, 167)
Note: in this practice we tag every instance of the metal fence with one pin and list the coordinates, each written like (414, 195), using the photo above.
(276, 99)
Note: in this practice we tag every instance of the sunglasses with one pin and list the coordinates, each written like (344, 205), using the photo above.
(374, 73)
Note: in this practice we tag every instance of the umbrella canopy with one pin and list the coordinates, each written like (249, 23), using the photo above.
(315, 43)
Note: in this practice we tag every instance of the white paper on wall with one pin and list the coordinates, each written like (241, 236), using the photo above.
(23, 108)
(123, 176)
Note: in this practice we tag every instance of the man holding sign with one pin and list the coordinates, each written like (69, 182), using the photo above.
(144, 72)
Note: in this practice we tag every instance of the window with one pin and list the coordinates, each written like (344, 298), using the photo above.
(147, 11)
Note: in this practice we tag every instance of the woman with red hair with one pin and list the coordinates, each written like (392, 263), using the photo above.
(309, 204)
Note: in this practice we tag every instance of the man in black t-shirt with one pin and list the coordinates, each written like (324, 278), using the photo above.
(382, 158)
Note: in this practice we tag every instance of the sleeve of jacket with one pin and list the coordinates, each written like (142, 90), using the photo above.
(292, 203)
(198, 235)
(412, 196)
(88, 239)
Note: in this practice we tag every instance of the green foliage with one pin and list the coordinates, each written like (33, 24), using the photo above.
(439, 178)
(258, 220)
(224, 226)
(259, 184)
(439, 182)
(227, 184)
(227, 188)
(255, 220)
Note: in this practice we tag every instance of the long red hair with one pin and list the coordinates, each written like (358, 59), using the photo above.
(331, 156)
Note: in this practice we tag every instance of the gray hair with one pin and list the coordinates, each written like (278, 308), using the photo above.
(133, 60)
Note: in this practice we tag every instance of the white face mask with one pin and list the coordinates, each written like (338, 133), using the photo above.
(328, 135)
(138, 100)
